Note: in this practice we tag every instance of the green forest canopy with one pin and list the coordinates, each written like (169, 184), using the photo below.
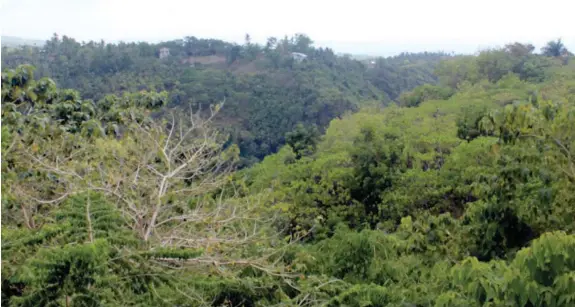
(460, 194)
(266, 92)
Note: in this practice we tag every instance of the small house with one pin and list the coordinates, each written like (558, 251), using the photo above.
(164, 52)
(298, 56)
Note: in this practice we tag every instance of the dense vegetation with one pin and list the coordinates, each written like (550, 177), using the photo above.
(461, 194)
(266, 92)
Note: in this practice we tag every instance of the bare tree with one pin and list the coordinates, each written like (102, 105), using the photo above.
(166, 164)
(152, 173)
(169, 178)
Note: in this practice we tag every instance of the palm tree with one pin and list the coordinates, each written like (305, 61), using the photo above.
(555, 49)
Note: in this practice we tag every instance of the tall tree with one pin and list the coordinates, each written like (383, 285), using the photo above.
(555, 49)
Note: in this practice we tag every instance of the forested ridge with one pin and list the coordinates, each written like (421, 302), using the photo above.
(263, 180)
(267, 92)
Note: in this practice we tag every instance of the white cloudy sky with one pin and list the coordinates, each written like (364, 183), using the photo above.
(358, 26)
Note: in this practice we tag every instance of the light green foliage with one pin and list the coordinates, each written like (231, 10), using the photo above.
(453, 72)
(460, 195)
(423, 93)
(540, 275)
(494, 64)
(456, 191)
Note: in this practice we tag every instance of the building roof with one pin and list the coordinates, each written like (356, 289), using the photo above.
(299, 54)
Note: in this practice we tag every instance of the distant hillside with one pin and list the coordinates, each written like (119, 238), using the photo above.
(358, 57)
(13, 41)
(267, 90)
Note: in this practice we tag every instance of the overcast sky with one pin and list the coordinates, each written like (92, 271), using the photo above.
(357, 26)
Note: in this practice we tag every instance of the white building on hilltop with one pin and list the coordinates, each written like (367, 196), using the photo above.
(164, 52)
(298, 56)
